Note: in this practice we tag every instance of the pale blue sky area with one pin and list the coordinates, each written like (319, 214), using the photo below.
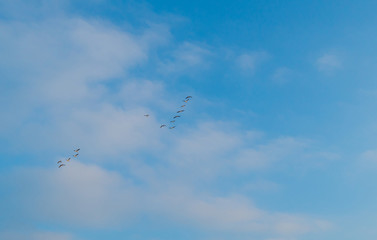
(277, 143)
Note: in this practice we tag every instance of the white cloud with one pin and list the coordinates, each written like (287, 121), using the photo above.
(75, 195)
(58, 71)
(186, 58)
(217, 148)
(235, 214)
(370, 155)
(248, 62)
(88, 196)
(61, 98)
(368, 160)
(282, 75)
(58, 59)
(328, 63)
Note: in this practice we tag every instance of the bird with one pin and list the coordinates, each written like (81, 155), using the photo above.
(176, 116)
(59, 162)
(146, 115)
(183, 106)
(172, 121)
(68, 159)
(172, 127)
(188, 97)
(77, 150)
(76, 155)
(180, 111)
(186, 100)
(163, 125)
(61, 165)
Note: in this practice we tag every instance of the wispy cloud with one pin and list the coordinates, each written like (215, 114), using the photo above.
(248, 62)
(328, 63)
(185, 58)
(282, 75)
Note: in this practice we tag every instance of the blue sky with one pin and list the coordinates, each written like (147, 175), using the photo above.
(278, 142)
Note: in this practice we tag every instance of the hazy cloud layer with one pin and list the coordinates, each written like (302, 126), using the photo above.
(70, 82)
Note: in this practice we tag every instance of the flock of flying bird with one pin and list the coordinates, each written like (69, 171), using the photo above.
(171, 125)
(61, 164)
